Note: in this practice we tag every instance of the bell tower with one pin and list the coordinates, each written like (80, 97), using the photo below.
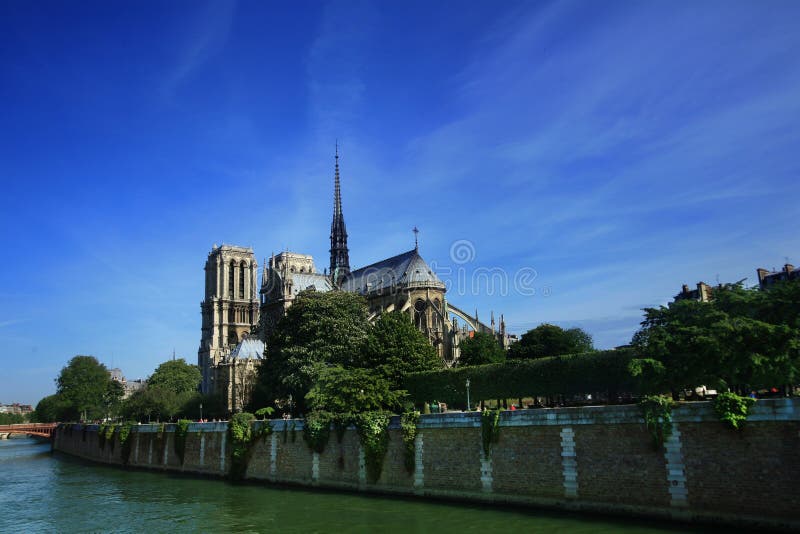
(230, 307)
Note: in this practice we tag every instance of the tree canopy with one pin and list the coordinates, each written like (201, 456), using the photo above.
(395, 347)
(325, 353)
(176, 376)
(551, 340)
(318, 330)
(743, 338)
(480, 349)
(85, 389)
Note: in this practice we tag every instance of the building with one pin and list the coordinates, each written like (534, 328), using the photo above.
(767, 278)
(129, 387)
(703, 293)
(235, 321)
(230, 308)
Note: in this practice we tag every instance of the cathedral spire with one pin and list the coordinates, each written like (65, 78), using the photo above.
(340, 257)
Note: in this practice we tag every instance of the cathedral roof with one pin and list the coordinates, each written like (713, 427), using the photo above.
(404, 270)
(303, 281)
(251, 348)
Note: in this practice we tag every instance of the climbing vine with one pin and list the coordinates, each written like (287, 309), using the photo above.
(373, 429)
(340, 423)
(181, 429)
(111, 432)
(101, 437)
(244, 435)
(408, 425)
(317, 430)
(657, 414)
(490, 430)
(732, 408)
(125, 441)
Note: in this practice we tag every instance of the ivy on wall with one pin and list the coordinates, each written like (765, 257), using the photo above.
(732, 409)
(373, 429)
(657, 414)
(490, 430)
(408, 426)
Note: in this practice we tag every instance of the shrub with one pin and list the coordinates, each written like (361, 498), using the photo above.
(732, 408)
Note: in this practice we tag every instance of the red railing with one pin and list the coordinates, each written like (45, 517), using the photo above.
(44, 430)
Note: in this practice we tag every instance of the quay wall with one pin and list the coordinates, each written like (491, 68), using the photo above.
(598, 459)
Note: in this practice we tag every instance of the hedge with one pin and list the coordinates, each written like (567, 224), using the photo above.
(574, 374)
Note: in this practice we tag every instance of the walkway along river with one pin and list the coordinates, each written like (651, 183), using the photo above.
(51, 492)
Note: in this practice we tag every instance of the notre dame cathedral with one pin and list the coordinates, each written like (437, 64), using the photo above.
(237, 319)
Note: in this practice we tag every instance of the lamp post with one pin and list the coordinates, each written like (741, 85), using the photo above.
(201, 412)
(467, 394)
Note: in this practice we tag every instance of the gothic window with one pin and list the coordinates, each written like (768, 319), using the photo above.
(230, 278)
(420, 318)
(437, 320)
(241, 280)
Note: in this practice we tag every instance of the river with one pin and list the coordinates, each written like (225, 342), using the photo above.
(45, 492)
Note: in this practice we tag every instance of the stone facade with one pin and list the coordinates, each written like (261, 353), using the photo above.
(230, 308)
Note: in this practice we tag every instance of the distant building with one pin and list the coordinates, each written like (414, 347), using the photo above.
(16, 408)
(129, 387)
(767, 278)
(703, 293)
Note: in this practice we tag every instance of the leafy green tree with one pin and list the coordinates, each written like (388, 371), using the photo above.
(480, 349)
(54, 408)
(177, 376)
(340, 390)
(395, 347)
(551, 340)
(11, 418)
(320, 329)
(84, 384)
(743, 338)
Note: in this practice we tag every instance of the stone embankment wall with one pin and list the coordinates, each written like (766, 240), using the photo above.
(595, 459)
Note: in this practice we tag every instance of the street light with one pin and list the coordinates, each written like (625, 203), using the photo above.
(201, 412)
(467, 394)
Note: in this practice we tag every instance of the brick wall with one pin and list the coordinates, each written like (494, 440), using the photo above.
(596, 458)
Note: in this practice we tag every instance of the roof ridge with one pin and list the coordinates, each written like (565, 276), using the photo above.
(386, 260)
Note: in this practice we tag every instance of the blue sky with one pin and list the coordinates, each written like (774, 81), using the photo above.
(608, 151)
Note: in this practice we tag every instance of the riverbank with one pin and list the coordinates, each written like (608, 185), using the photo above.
(596, 459)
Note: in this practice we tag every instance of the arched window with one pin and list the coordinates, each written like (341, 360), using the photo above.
(230, 278)
(242, 269)
(420, 317)
(437, 319)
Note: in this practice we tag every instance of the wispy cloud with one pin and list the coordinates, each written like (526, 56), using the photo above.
(207, 33)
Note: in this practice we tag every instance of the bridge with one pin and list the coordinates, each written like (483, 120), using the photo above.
(42, 430)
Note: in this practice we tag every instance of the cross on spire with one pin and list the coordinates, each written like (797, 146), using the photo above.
(416, 238)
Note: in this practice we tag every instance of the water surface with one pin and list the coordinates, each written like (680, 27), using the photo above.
(44, 492)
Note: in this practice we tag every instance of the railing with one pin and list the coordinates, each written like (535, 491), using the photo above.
(32, 429)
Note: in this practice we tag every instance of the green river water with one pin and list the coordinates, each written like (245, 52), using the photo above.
(45, 492)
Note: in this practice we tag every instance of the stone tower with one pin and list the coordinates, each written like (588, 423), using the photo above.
(340, 255)
(230, 307)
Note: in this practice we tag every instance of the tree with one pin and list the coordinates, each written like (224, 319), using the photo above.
(480, 349)
(52, 409)
(551, 340)
(395, 347)
(741, 339)
(319, 329)
(84, 385)
(177, 376)
(340, 390)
